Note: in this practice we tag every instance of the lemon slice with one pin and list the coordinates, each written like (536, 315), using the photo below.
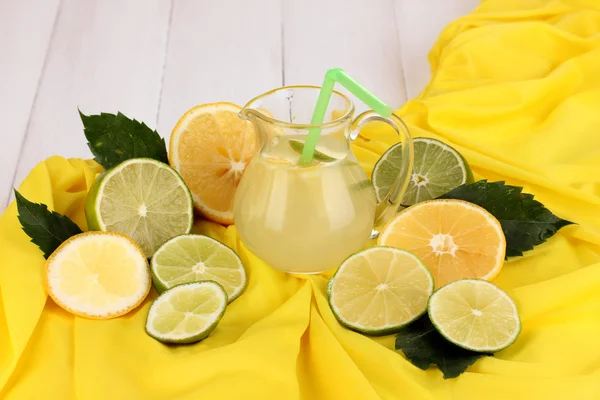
(379, 290)
(194, 258)
(210, 147)
(98, 275)
(186, 313)
(475, 314)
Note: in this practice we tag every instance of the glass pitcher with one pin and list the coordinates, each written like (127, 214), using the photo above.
(308, 219)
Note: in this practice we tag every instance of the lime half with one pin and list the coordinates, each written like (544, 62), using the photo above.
(142, 198)
(194, 258)
(475, 314)
(379, 290)
(438, 169)
(186, 313)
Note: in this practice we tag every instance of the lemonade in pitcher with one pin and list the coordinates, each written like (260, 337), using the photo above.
(303, 217)
(286, 209)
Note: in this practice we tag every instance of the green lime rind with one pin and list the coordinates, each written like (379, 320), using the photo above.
(384, 330)
(438, 168)
(298, 147)
(91, 203)
(215, 317)
(150, 234)
(483, 349)
(185, 252)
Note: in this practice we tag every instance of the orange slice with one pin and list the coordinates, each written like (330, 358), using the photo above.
(454, 238)
(211, 147)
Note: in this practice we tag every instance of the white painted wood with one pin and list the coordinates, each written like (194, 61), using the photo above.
(111, 55)
(25, 32)
(419, 25)
(219, 51)
(105, 56)
(356, 35)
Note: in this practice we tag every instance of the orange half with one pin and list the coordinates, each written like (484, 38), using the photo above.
(211, 147)
(454, 238)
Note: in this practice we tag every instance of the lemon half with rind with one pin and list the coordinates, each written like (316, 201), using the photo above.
(98, 275)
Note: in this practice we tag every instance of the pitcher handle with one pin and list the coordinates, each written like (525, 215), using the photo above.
(388, 206)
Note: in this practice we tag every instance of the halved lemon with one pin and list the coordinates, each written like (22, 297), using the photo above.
(211, 147)
(98, 275)
(454, 238)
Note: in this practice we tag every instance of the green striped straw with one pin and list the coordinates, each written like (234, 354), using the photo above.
(331, 77)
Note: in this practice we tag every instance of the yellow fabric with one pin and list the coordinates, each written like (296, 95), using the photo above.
(516, 89)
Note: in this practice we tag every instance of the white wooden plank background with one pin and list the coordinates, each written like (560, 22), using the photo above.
(154, 59)
(363, 41)
(22, 55)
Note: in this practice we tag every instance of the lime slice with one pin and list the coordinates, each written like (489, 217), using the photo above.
(360, 185)
(438, 169)
(298, 147)
(379, 290)
(194, 258)
(186, 313)
(142, 198)
(475, 314)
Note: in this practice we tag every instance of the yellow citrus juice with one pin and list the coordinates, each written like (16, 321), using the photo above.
(304, 219)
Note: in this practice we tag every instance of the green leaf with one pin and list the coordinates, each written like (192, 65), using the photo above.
(424, 346)
(525, 221)
(116, 138)
(47, 229)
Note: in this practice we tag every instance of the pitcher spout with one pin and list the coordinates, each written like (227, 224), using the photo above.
(262, 123)
(289, 111)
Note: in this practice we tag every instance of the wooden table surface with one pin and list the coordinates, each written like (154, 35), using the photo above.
(154, 59)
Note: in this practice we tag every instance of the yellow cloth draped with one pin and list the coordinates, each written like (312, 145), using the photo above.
(516, 89)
